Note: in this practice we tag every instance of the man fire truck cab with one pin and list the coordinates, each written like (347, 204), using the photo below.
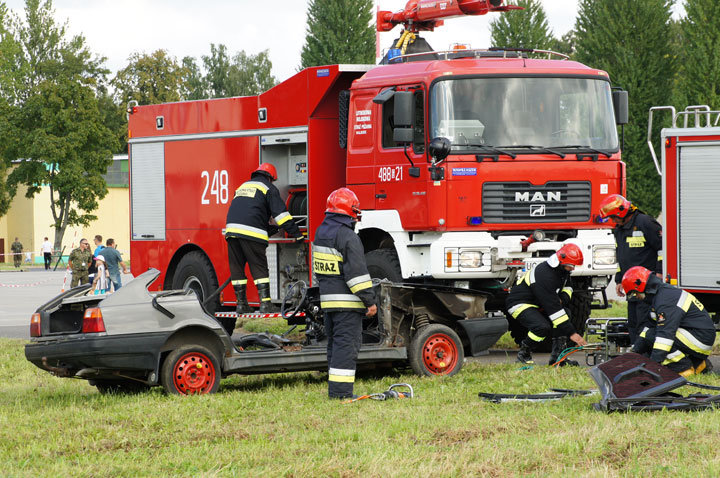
(689, 167)
(470, 166)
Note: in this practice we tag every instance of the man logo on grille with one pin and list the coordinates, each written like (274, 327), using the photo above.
(537, 210)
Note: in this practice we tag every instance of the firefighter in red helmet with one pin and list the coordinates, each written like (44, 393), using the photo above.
(246, 233)
(538, 302)
(639, 243)
(346, 292)
(681, 333)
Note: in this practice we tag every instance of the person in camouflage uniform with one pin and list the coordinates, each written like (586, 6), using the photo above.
(17, 249)
(80, 259)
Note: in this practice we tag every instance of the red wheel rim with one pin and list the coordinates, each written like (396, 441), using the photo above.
(194, 374)
(440, 354)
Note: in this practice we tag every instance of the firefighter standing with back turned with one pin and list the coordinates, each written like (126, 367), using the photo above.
(639, 243)
(681, 333)
(547, 287)
(346, 291)
(246, 233)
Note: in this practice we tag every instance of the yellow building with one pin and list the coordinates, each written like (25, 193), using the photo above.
(30, 220)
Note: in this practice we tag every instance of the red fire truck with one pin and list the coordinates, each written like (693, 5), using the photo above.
(470, 166)
(688, 164)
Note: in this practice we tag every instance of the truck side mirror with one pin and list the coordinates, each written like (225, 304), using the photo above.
(403, 117)
(620, 105)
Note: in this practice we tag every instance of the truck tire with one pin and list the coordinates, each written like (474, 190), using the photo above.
(384, 264)
(436, 350)
(191, 370)
(125, 387)
(580, 309)
(195, 272)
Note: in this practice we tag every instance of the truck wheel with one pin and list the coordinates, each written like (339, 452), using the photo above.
(195, 272)
(580, 308)
(384, 264)
(436, 350)
(191, 370)
(119, 386)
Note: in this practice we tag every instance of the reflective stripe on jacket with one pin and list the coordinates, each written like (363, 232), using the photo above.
(338, 261)
(543, 287)
(254, 203)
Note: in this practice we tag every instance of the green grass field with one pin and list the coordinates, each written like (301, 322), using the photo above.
(283, 425)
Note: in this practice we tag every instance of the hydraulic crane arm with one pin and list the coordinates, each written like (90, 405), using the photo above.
(425, 15)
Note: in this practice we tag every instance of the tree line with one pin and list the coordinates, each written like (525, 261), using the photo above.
(62, 113)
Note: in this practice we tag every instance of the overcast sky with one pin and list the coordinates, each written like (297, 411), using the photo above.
(117, 28)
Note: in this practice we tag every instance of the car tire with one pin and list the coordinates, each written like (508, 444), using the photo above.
(191, 370)
(195, 272)
(436, 350)
(119, 387)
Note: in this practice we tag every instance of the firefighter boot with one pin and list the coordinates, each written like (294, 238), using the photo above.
(558, 345)
(525, 353)
(242, 303)
(266, 307)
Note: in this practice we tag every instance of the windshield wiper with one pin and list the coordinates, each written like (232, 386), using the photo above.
(539, 149)
(493, 149)
(580, 146)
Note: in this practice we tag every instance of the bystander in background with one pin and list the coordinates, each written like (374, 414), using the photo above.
(101, 282)
(47, 249)
(113, 259)
(17, 248)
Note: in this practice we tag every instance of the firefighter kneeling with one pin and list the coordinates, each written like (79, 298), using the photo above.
(345, 288)
(682, 333)
(546, 287)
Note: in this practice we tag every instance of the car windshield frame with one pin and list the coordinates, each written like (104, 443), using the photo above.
(542, 111)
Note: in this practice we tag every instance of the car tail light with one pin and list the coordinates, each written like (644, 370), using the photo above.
(35, 330)
(93, 321)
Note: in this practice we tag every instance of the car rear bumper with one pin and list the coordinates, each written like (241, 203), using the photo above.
(67, 355)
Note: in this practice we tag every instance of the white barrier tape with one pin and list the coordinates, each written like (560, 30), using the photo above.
(33, 284)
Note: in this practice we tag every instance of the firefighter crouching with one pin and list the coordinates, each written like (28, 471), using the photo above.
(246, 233)
(639, 243)
(681, 333)
(346, 292)
(538, 301)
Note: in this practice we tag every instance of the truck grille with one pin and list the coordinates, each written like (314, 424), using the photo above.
(519, 202)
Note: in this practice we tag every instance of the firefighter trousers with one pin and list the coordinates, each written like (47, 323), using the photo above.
(241, 252)
(689, 349)
(539, 327)
(344, 332)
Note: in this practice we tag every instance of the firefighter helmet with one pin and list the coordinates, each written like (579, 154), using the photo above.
(267, 169)
(635, 279)
(344, 201)
(614, 205)
(570, 255)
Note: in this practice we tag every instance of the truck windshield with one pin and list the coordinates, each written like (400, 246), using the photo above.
(523, 111)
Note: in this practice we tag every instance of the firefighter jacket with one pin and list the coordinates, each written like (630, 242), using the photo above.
(339, 265)
(254, 203)
(639, 243)
(545, 287)
(678, 315)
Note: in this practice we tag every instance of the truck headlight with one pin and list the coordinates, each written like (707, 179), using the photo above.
(604, 256)
(471, 259)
